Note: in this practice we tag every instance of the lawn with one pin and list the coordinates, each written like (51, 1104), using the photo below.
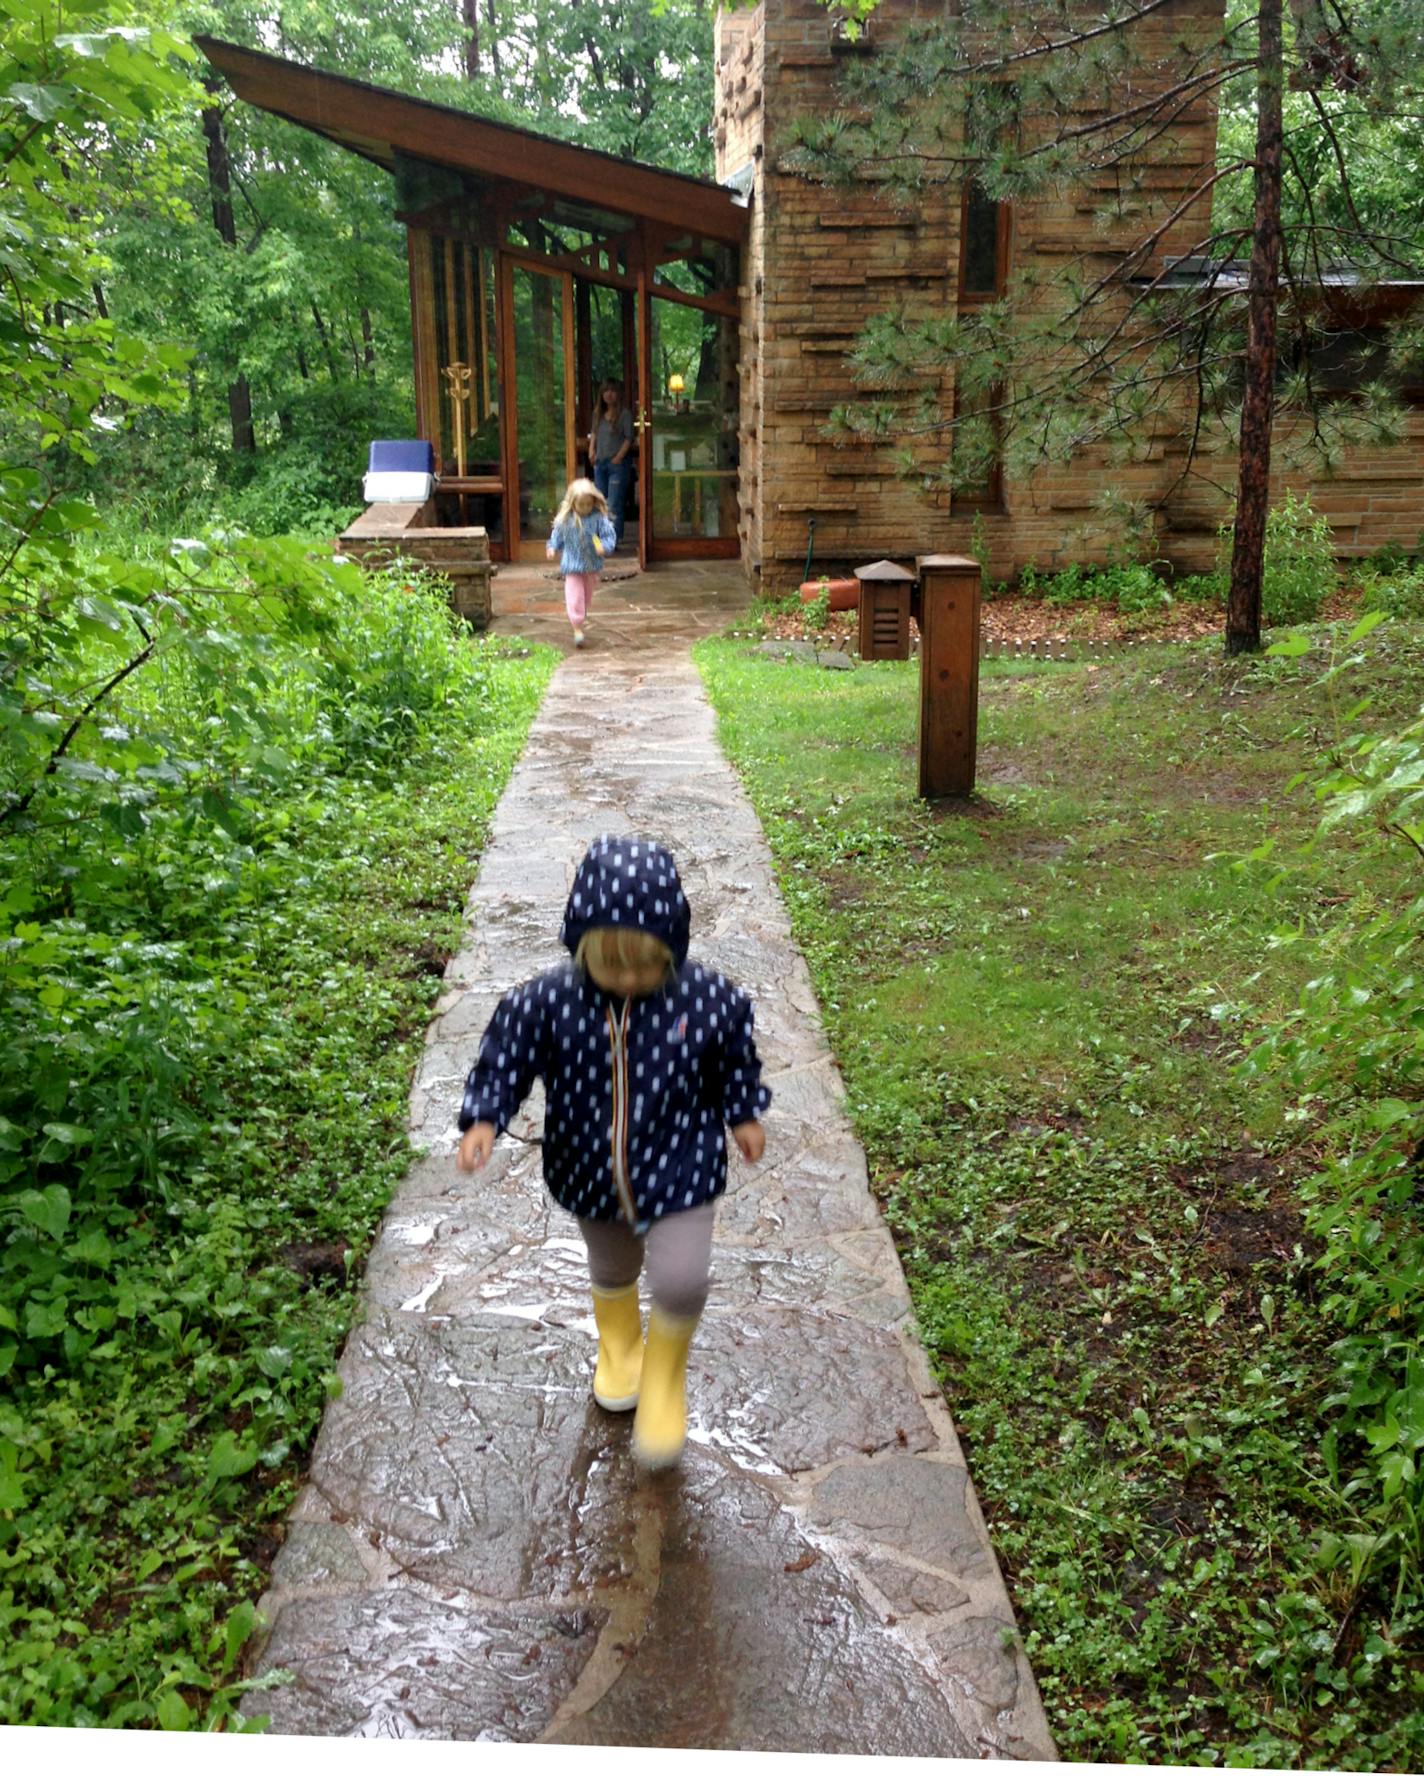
(1038, 1000)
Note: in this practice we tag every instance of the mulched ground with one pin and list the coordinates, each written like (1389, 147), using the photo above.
(1019, 619)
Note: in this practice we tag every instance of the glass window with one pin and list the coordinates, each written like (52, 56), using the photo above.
(695, 402)
(980, 270)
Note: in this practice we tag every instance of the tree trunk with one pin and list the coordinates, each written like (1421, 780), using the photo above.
(239, 394)
(1253, 484)
(325, 339)
(493, 38)
(470, 16)
(368, 342)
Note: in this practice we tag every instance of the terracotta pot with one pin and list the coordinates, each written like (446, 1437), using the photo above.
(841, 595)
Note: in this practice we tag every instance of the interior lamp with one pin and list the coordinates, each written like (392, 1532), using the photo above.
(676, 384)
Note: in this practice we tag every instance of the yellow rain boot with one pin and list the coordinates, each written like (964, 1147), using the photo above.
(620, 1348)
(660, 1427)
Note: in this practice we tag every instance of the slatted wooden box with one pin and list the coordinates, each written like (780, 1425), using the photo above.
(884, 610)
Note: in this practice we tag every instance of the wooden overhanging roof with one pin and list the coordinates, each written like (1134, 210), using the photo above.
(377, 123)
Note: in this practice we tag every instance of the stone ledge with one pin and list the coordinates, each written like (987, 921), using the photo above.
(385, 533)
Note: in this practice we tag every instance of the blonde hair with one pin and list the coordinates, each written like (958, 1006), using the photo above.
(578, 490)
(622, 946)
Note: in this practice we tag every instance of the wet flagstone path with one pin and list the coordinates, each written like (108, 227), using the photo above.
(476, 1556)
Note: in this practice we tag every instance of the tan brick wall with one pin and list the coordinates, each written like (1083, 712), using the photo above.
(819, 263)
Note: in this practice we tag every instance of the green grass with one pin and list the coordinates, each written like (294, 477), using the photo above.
(1037, 999)
(142, 1490)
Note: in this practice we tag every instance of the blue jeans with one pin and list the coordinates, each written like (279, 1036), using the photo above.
(611, 479)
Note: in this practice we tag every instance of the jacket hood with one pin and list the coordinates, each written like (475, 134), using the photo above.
(628, 881)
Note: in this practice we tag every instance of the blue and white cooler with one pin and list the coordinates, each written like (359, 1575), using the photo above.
(401, 469)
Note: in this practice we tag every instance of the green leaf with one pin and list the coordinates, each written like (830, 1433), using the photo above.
(174, 1714)
(1366, 626)
(229, 1458)
(69, 1134)
(47, 1209)
(241, 1625)
(41, 102)
(1290, 647)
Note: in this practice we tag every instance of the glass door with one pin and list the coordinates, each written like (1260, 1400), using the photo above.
(542, 448)
(692, 407)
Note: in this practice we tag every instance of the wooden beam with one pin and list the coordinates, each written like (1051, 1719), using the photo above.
(423, 339)
(332, 104)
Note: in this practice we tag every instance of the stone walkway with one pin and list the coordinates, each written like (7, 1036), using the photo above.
(476, 1556)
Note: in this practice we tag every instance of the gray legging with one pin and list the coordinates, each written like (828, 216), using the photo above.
(678, 1249)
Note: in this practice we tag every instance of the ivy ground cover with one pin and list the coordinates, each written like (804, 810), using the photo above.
(1040, 1002)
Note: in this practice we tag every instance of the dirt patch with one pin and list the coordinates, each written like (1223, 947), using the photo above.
(1015, 618)
(429, 958)
(316, 1261)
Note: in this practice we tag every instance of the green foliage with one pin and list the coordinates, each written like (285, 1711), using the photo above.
(241, 789)
(816, 612)
(215, 965)
(1299, 572)
(1352, 1051)
(1397, 592)
(1036, 1003)
(1133, 587)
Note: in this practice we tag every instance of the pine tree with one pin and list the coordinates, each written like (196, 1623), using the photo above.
(1194, 318)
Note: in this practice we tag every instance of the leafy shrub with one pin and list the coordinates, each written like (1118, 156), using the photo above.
(1353, 1047)
(1204, 588)
(1400, 593)
(816, 613)
(1131, 586)
(1299, 571)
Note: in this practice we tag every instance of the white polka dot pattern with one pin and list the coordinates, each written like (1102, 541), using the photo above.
(688, 1059)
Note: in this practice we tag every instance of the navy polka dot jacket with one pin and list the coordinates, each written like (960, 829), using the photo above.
(636, 1091)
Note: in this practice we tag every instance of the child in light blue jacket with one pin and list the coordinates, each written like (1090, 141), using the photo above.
(583, 534)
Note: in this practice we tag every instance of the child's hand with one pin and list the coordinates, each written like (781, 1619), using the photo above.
(476, 1147)
(550, 555)
(750, 1138)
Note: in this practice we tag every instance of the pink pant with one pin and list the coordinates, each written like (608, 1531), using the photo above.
(578, 590)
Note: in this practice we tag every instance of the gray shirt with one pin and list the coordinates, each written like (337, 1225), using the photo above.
(612, 434)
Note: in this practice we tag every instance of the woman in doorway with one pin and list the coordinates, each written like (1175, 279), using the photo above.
(610, 446)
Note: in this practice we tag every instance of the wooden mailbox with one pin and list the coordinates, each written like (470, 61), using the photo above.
(949, 673)
(884, 611)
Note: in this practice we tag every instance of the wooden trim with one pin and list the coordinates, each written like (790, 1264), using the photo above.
(481, 333)
(424, 346)
(467, 258)
(694, 548)
(643, 416)
(508, 402)
(570, 384)
(552, 262)
(379, 121)
(583, 364)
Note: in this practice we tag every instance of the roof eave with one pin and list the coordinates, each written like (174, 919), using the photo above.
(331, 105)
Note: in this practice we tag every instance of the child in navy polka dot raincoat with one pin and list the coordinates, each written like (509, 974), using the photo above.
(646, 1057)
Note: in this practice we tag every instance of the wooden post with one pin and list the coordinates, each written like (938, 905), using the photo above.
(949, 673)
